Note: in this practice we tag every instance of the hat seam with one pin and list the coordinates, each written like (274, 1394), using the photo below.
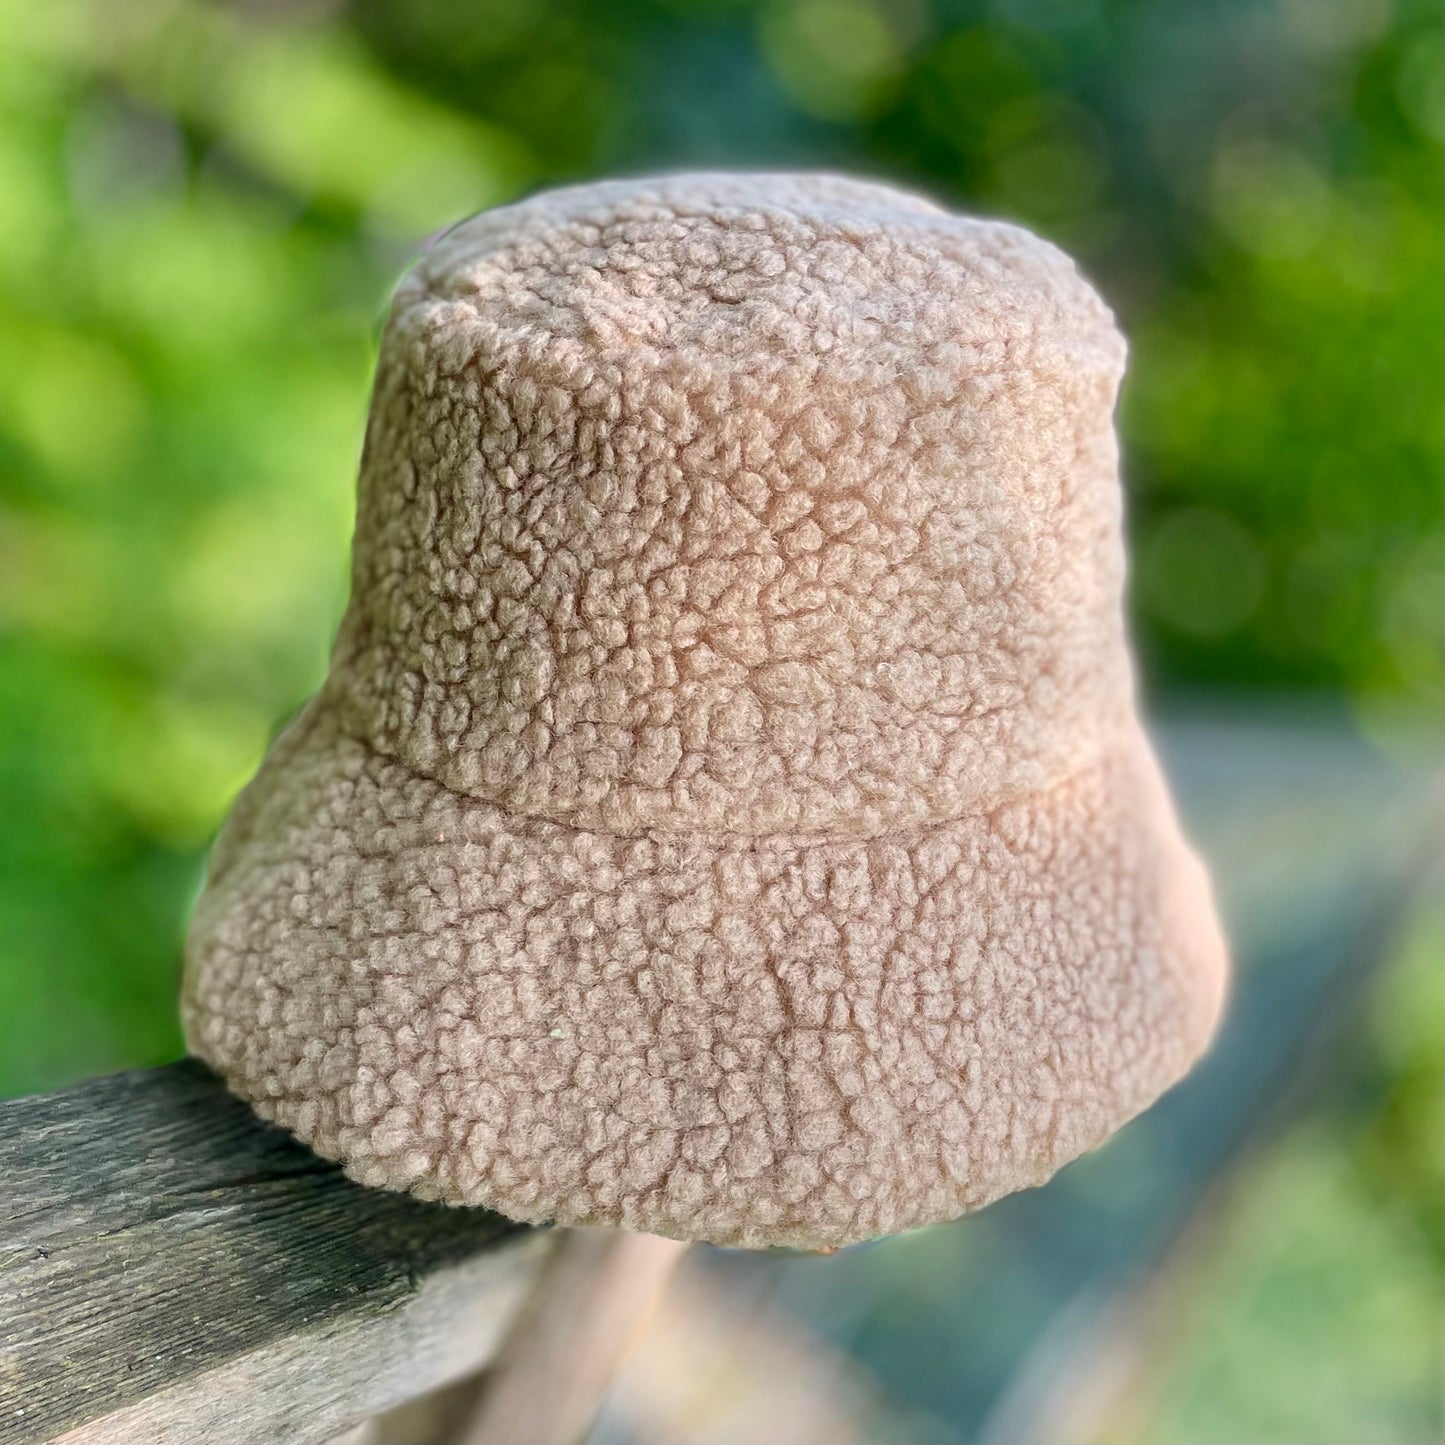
(697, 220)
(734, 842)
(1031, 348)
(1033, 339)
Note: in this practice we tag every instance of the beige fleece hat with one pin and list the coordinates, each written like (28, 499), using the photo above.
(726, 814)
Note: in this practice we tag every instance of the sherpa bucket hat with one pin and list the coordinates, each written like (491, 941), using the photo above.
(726, 814)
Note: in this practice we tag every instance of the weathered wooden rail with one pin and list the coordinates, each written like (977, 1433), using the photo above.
(172, 1269)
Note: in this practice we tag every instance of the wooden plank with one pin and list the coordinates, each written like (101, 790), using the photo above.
(172, 1269)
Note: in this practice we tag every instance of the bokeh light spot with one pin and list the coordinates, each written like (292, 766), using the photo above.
(1202, 572)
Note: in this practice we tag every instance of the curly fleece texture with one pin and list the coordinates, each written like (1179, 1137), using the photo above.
(726, 814)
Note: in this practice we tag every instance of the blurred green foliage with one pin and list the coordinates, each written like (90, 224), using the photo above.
(1319, 1316)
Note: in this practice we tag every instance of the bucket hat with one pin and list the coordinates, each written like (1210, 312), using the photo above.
(726, 814)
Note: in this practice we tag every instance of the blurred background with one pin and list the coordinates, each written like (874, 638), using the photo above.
(203, 208)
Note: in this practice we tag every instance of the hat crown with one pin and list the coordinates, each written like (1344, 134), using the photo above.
(738, 505)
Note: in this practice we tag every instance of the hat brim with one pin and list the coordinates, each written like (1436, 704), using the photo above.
(748, 1041)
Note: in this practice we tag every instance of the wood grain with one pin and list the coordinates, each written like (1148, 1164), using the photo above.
(171, 1269)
